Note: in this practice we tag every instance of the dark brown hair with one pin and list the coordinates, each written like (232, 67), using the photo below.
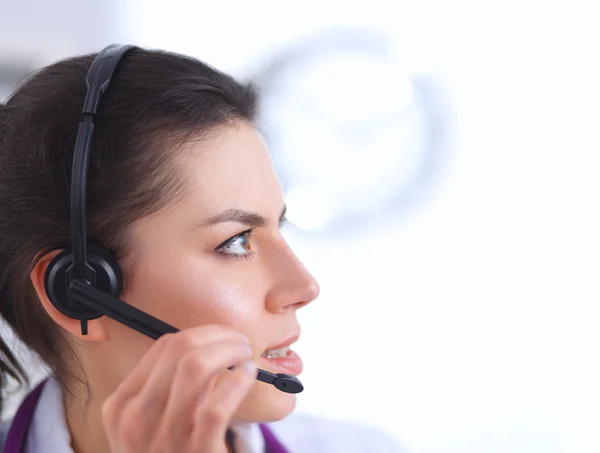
(157, 100)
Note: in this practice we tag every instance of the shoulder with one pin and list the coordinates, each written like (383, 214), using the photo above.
(305, 433)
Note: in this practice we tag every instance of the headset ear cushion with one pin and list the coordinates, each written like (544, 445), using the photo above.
(108, 272)
(108, 279)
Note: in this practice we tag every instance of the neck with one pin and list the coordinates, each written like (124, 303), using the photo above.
(83, 416)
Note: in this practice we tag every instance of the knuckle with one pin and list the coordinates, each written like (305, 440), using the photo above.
(182, 342)
(215, 415)
(110, 412)
(192, 365)
(131, 418)
(131, 426)
(164, 340)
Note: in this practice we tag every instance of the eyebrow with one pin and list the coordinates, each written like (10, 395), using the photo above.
(251, 219)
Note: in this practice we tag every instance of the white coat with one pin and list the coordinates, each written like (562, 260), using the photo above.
(48, 433)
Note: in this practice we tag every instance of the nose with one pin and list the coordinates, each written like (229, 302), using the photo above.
(293, 286)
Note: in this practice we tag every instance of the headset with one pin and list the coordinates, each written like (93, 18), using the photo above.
(85, 281)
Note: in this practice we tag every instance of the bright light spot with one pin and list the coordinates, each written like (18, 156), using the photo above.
(308, 209)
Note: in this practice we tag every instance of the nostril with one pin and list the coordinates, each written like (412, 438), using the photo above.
(298, 305)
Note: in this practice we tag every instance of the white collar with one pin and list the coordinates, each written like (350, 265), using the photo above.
(48, 431)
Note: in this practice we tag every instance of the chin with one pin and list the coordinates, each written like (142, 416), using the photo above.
(265, 404)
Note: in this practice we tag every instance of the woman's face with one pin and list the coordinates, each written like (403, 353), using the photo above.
(184, 275)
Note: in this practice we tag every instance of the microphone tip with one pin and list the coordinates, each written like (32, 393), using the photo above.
(288, 383)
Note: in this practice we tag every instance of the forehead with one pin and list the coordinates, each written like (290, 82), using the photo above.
(231, 168)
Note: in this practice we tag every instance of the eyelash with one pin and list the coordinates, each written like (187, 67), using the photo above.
(247, 234)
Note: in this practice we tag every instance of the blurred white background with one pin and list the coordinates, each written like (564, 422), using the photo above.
(470, 323)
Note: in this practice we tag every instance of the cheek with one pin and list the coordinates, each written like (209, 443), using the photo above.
(192, 293)
(215, 299)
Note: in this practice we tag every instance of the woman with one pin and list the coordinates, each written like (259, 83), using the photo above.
(182, 192)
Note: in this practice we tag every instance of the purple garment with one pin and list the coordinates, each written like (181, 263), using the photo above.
(15, 438)
(272, 443)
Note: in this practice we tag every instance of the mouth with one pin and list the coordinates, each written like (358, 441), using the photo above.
(282, 359)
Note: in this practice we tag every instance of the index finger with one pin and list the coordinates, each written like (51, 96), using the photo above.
(137, 378)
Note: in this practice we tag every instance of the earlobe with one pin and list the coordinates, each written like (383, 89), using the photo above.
(96, 327)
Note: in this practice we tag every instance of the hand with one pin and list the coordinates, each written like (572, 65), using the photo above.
(180, 398)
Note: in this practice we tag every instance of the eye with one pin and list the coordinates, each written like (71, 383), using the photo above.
(238, 245)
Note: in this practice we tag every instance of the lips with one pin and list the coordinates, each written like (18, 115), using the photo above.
(285, 343)
(281, 358)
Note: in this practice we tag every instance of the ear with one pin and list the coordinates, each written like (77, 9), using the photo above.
(96, 327)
